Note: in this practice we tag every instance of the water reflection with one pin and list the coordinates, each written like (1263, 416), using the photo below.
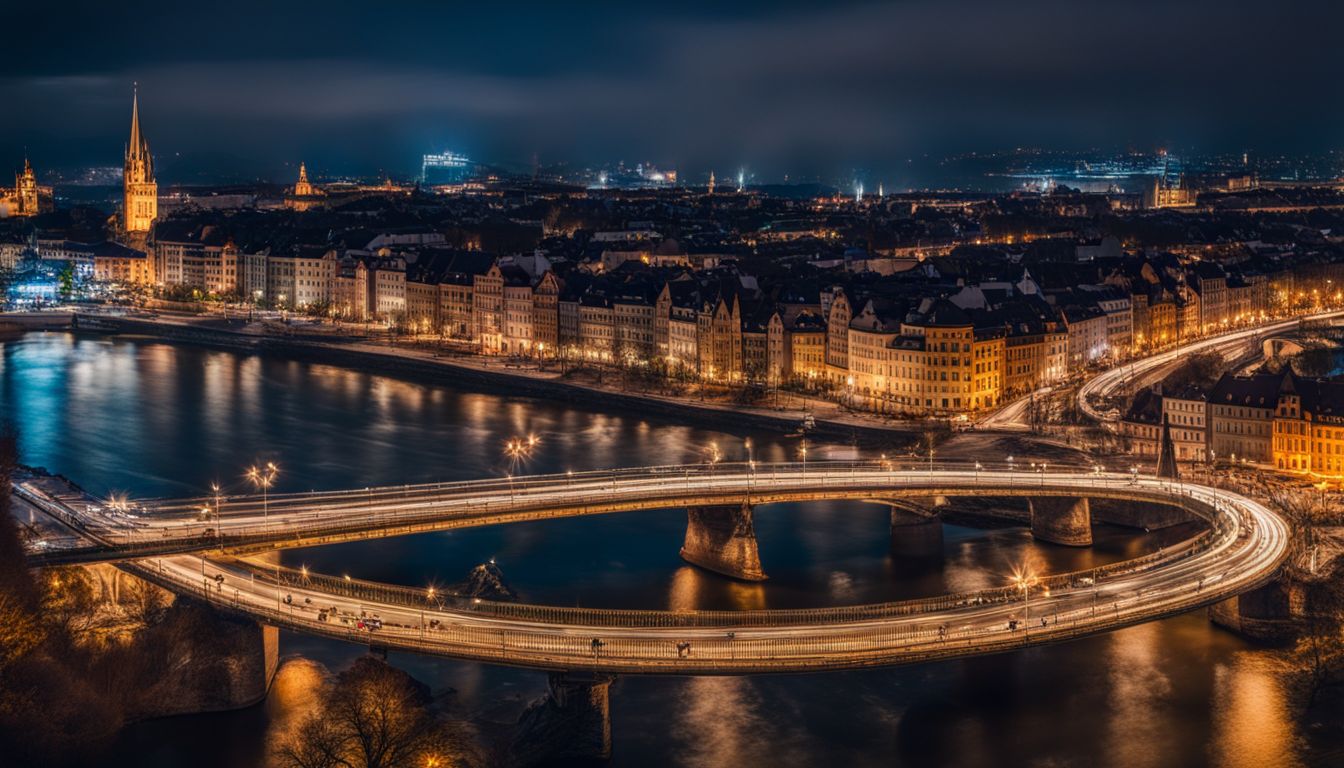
(1137, 683)
(157, 419)
(1252, 726)
(720, 722)
(297, 688)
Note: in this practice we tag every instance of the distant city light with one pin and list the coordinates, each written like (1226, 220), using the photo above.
(445, 168)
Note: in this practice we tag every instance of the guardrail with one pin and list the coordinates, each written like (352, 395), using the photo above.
(408, 597)
(320, 517)
(632, 641)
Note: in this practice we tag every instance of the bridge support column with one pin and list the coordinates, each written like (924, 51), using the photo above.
(570, 725)
(1266, 613)
(723, 539)
(916, 538)
(1062, 520)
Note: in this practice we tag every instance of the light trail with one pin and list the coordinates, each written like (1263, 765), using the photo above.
(1243, 549)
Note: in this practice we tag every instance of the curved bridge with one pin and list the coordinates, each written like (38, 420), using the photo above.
(1106, 383)
(1241, 550)
(1276, 346)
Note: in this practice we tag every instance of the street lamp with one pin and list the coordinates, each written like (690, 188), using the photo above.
(214, 488)
(264, 478)
(1025, 580)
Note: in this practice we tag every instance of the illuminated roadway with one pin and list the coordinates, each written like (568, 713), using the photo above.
(1242, 549)
(1104, 384)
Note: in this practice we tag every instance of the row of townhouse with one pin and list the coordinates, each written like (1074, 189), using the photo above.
(1278, 420)
(103, 261)
(897, 351)
(1174, 301)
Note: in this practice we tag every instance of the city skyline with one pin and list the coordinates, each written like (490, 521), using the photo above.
(696, 384)
(805, 93)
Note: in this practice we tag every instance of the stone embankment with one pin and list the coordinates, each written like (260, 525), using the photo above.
(426, 367)
(178, 656)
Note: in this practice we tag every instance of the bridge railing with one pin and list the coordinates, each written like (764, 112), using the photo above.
(438, 599)
(308, 526)
(191, 507)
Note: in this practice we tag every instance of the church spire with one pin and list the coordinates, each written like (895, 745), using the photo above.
(141, 203)
(134, 147)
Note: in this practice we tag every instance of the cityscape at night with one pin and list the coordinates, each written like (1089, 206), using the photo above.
(702, 384)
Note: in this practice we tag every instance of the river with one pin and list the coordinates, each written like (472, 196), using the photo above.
(154, 419)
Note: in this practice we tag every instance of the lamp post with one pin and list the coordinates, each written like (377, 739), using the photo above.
(264, 477)
(219, 534)
(1024, 580)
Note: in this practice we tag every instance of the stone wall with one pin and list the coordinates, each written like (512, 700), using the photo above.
(187, 657)
(723, 539)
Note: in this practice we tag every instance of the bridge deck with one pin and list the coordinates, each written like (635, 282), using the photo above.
(1243, 548)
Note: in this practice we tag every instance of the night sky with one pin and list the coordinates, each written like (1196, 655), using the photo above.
(781, 87)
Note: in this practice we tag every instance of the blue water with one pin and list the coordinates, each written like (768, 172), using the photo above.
(156, 419)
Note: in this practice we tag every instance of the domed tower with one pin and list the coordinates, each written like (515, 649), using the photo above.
(303, 188)
(141, 203)
(25, 191)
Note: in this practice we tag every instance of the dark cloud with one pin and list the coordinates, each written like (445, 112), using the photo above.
(783, 87)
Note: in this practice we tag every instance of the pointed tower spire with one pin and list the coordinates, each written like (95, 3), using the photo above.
(140, 205)
(1166, 453)
(134, 147)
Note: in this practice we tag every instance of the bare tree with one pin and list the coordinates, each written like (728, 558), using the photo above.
(69, 600)
(1319, 651)
(318, 743)
(20, 630)
(145, 601)
(374, 717)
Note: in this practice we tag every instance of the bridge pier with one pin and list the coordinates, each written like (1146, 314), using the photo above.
(722, 538)
(1265, 613)
(1061, 520)
(916, 537)
(570, 725)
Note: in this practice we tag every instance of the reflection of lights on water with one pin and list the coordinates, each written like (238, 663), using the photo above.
(684, 592)
(1138, 689)
(720, 722)
(1251, 721)
(690, 590)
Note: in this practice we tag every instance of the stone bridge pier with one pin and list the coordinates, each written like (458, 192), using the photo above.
(722, 538)
(570, 725)
(1267, 613)
(1061, 520)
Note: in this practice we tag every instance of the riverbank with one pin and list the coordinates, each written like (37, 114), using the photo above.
(830, 421)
